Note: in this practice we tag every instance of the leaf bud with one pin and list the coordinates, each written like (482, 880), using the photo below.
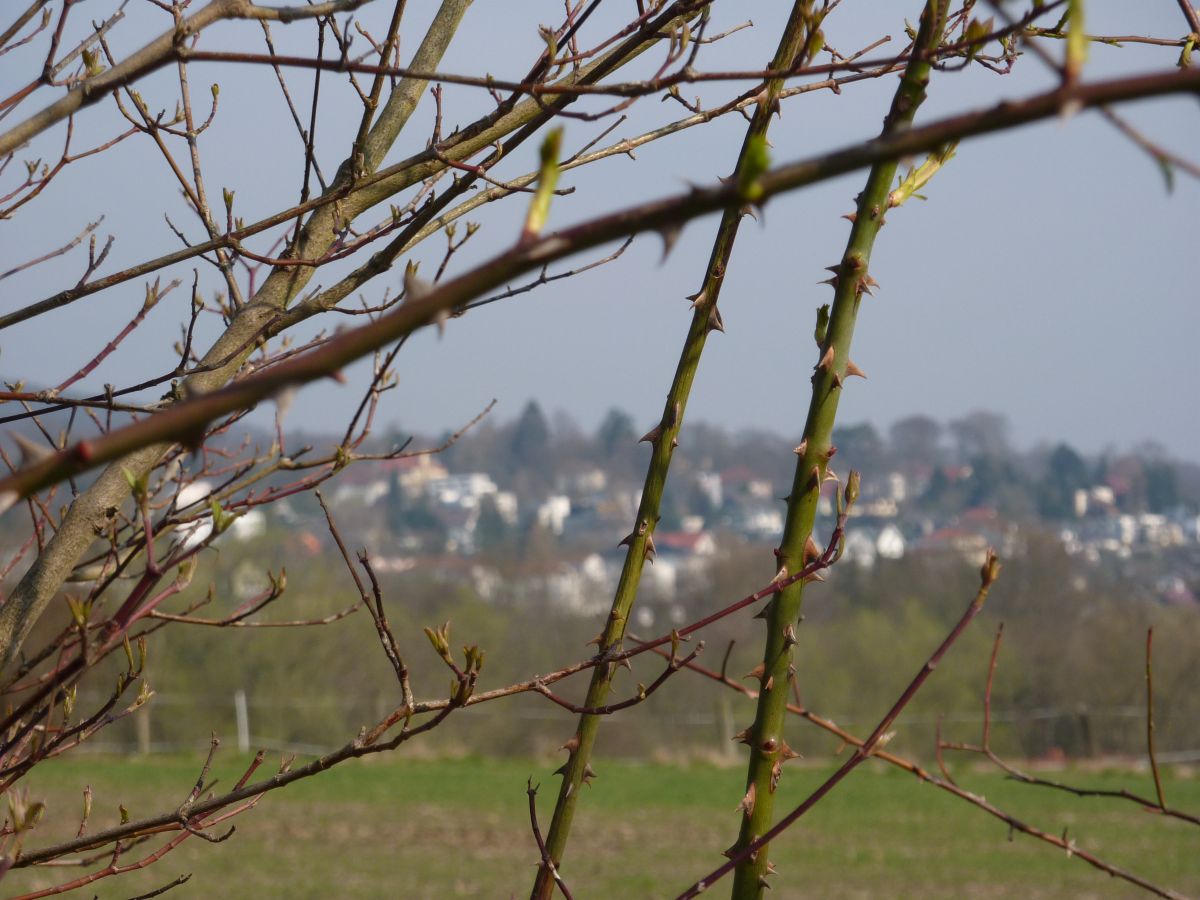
(853, 482)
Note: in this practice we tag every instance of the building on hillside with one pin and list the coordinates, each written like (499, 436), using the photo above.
(552, 513)
(742, 481)
(366, 483)
(459, 522)
(508, 506)
(685, 543)
(972, 533)
(969, 544)
(246, 525)
(890, 542)
(758, 522)
(1099, 499)
(864, 546)
(710, 485)
(585, 483)
(897, 486)
(414, 473)
(463, 489)
(581, 587)
(876, 508)
(1155, 530)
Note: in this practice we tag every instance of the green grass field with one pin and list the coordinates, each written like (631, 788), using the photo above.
(460, 828)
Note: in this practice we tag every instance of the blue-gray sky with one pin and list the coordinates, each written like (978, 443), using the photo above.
(1049, 276)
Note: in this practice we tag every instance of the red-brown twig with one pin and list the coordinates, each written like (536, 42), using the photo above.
(70, 245)
(643, 692)
(183, 820)
(658, 83)
(153, 295)
(378, 615)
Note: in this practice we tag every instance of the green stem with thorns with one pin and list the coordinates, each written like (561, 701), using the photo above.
(800, 39)
(768, 750)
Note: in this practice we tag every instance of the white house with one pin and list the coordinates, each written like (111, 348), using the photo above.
(552, 513)
(461, 489)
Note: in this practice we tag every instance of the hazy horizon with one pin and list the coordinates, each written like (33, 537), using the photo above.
(505, 414)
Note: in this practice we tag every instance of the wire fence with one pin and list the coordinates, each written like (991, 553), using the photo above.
(178, 722)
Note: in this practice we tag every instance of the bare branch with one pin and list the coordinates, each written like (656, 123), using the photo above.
(340, 351)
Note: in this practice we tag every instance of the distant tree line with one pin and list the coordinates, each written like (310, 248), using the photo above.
(962, 463)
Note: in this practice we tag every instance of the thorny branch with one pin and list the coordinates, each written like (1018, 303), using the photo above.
(797, 45)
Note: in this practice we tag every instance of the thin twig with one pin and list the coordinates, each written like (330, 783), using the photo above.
(531, 790)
